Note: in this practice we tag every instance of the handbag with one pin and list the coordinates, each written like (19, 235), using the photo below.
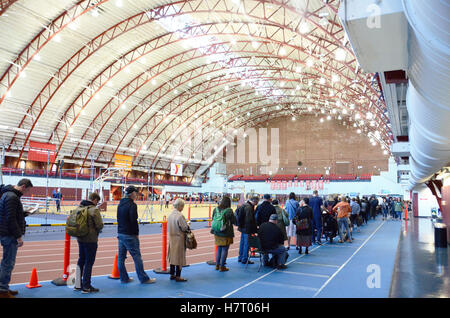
(191, 242)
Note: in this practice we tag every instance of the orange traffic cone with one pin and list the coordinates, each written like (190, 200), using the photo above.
(34, 280)
(115, 270)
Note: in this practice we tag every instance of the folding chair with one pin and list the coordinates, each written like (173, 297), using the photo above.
(254, 242)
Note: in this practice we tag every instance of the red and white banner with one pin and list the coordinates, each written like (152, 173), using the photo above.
(272, 185)
(290, 183)
(296, 183)
(279, 185)
(284, 185)
(320, 184)
(301, 183)
(42, 152)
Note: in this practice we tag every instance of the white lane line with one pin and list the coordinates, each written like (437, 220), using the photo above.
(265, 275)
(318, 264)
(348, 260)
(305, 274)
(288, 286)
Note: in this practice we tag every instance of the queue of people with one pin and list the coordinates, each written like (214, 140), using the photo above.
(309, 220)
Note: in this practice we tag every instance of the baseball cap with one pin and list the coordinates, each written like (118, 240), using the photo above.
(273, 217)
(131, 189)
(267, 196)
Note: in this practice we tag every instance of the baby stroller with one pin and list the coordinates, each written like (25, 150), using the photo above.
(330, 226)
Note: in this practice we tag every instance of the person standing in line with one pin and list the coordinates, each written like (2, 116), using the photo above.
(283, 218)
(264, 210)
(373, 203)
(291, 208)
(128, 237)
(385, 208)
(365, 209)
(343, 210)
(355, 213)
(223, 239)
(316, 204)
(12, 228)
(304, 236)
(88, 244)
(58, 198)
(176, 252)
(247, 226)
(167, 201)
(398, 209)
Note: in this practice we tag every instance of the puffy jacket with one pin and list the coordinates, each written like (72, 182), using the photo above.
(12, 216)
(127, 217)
(95, 222)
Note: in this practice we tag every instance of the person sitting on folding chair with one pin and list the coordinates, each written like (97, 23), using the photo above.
(272, 242)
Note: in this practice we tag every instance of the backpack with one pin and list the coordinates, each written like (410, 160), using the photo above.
(77, 222)
(218, 224)
(240, 216)
(301, 224)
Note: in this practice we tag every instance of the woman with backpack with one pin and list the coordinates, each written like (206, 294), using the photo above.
(222, 223)
(303, 221)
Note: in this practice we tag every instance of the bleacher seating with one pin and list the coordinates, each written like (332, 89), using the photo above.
(70, 175)
(254, 178)
(341, 177)
(309, 177)
(283, 177)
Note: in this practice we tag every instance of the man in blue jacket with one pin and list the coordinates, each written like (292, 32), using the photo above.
(128, 236)
(291, 208)
(12, 228)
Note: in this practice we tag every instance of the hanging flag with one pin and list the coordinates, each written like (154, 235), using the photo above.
(301, 183)
(284, 185)
(290, 183)
(296, 183)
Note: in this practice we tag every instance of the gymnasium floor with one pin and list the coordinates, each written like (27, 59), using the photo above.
(337, 270)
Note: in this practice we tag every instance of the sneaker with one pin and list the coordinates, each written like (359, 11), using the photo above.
(13, 292)
(249, 262)
(149, 281)
(77, 289)
(223, 269)
(217, 267)
(180, 280)
(89, 290)
(281, 266)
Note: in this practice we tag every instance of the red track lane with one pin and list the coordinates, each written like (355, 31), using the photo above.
(48, 256)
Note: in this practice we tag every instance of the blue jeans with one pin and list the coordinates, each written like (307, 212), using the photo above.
(279, 253)
(317, 226)
(222, 253)
(385, 213)
(343, 223)
(9, 244)
(130, 243)
(86, 259)
(243, 248)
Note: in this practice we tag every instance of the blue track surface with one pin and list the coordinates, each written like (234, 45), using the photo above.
(336, 270)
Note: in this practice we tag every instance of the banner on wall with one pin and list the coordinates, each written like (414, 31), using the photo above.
(278, 185)
(284, 185)
(272, 185)
(290, 183)
(320, 185)
(307, 182)
(176, 169)
(42, 152)
(123, 161)
(296, 183)
(301, 183)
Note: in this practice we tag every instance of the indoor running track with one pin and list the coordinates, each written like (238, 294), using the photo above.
(361, 269)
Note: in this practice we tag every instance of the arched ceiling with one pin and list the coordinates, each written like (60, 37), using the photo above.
(171, 80)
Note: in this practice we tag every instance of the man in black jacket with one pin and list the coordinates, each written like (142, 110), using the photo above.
(265, 210)
(248, 227)
(128, 236)
(12, 228)
(272, 241)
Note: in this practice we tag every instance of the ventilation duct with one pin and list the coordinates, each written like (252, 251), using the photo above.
(428, 93)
